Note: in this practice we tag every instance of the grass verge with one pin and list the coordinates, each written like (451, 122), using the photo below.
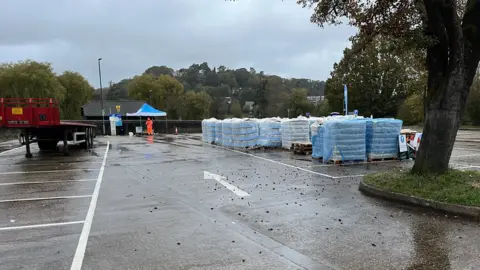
(455, 187)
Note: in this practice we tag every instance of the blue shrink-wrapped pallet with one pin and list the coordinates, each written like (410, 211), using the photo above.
(382, 138)
(269, 132)
(317, 142)
(244, 133)
(227, 133)
(218, 132)
(208, 130)
(204, 131)
(344, 140)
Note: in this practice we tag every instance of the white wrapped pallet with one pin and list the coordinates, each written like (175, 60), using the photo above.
(218, 132)
(269, 132)
(244, 133)
(227, 133)
(204, 131)
(210, 130)
(295, 130)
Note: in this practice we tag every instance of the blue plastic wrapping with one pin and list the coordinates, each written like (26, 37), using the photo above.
(244, 133)
(227, 133)
(269, 133)
(344, 140)
(204, 131)
(317, 143)
(218, 132)
(208, 130)
(382, 137)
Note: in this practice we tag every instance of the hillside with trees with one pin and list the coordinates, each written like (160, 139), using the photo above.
(201, 91)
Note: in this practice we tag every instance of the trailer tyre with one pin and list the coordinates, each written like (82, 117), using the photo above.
(47, 145)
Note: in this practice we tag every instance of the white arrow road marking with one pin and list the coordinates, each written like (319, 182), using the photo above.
(220, 179)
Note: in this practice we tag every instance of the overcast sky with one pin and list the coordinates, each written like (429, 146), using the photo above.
(270, 35)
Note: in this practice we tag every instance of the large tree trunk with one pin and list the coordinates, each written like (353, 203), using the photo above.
(452, 62)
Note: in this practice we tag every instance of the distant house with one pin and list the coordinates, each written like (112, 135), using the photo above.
(249, 104)
(93, 109)
(315, 99)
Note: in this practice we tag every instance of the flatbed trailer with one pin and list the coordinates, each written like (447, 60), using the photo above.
(39, 120)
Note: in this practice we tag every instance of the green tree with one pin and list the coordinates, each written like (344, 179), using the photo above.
(30, 79)
(412, 111)
(236, 109)
(172, 92)
(145, 87)
(118, 90)
(261, 98)
(298, 103)
(448, 31)
(196, 105)
(242, 76)
(323, 108)
(78, 93)
(156, 71)
(378, 78)
(473, 104)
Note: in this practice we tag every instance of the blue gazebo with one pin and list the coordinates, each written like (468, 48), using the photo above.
(148, 111)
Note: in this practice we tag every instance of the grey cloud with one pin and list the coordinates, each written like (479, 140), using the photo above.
(271, 35)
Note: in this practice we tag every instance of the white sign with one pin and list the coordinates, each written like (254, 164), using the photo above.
(138, 130)
(402, 143)
(416, 141)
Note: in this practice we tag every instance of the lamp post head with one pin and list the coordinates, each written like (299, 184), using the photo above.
(99, 59)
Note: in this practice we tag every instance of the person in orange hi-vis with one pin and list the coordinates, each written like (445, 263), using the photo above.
(149, 124)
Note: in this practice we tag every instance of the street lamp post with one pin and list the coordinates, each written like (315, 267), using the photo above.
(101, 95)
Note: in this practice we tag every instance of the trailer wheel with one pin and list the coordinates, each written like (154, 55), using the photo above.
(47, 145)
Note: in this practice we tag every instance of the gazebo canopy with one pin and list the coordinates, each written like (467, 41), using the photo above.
(147, 110)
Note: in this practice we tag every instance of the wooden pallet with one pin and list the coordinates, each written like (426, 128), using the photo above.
(381, 159)
(302, 148)
(342, 162)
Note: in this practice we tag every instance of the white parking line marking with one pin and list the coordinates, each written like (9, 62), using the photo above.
(50, 164)
(466, 149)
(219, 178)
(52, 171)
(82, 242)
(463, 166)
(281, 163)
(470, 155)
(11, 150)
(349, 176)
(45, 198)
(36, 226)
(46, 182)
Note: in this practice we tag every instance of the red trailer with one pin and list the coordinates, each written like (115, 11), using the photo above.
(39, 118)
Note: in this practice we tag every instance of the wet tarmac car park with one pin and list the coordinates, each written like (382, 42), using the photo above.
(173, 202)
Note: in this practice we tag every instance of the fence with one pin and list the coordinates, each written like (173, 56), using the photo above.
(159, 126)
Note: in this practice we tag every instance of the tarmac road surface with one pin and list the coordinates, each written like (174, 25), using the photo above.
(173, 202)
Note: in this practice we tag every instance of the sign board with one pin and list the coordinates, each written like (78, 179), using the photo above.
(118, 108)
(402, 143)
(17, 111)
(117, 118)
(139, 129)
(416, 141)
(355, 112)
(307, 114)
